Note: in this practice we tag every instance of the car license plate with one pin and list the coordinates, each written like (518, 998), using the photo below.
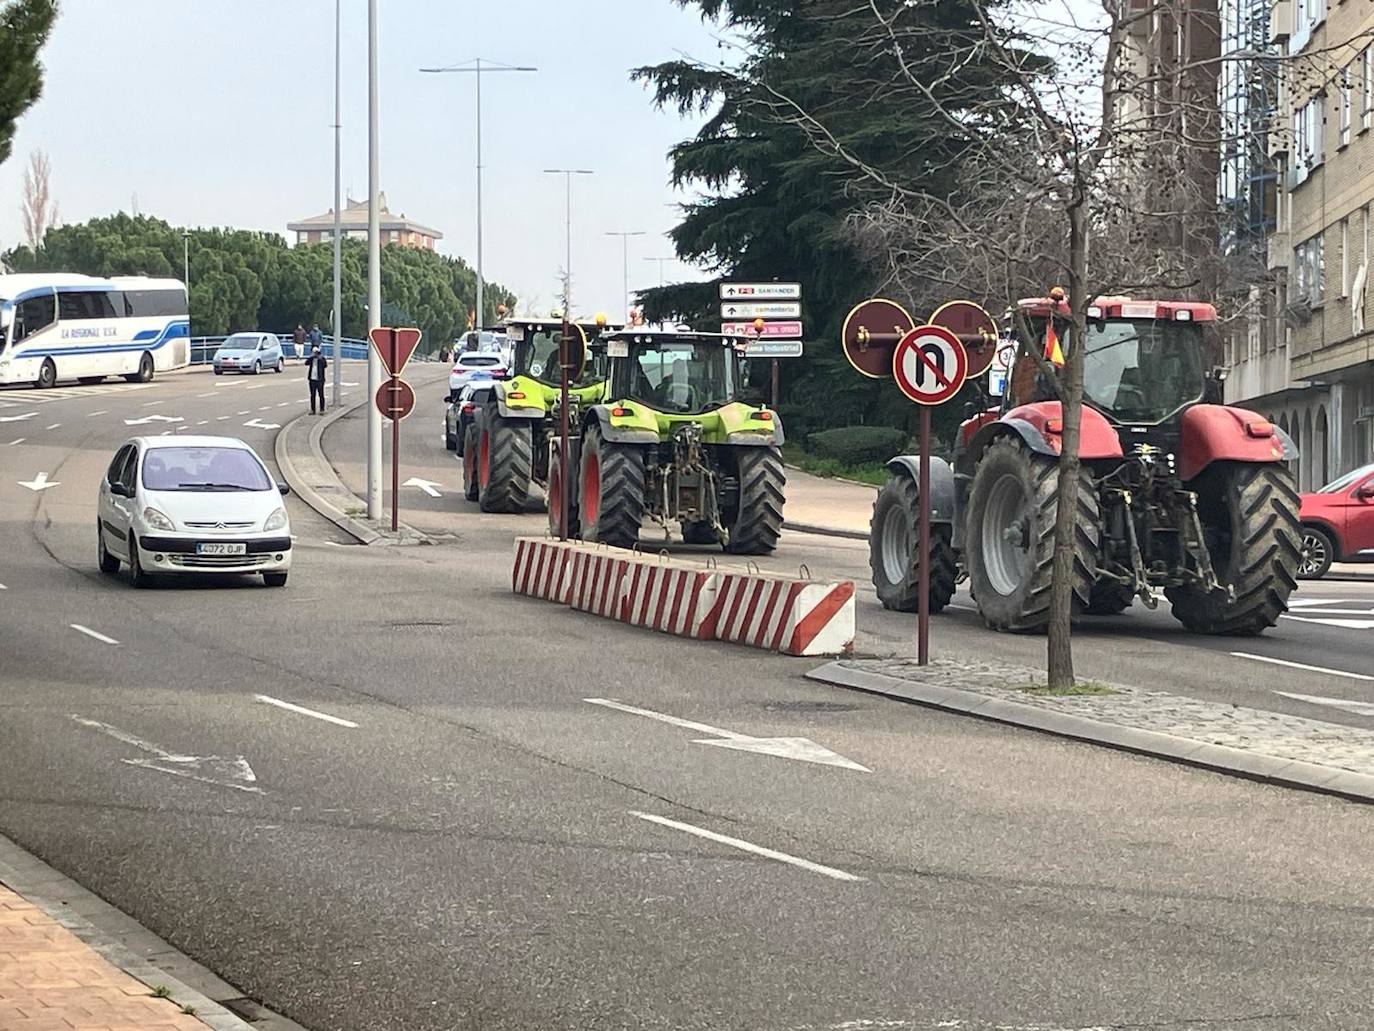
(219, 548)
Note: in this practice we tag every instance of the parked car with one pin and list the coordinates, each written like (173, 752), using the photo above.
(463, 408)
(171, 505)
(1338, 523)
(470, 366)
(249, 352)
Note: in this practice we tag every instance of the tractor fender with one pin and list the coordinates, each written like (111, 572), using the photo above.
(530, 408)
(1220, 433)
(615, 431)
(1097, 438)
(941, 483)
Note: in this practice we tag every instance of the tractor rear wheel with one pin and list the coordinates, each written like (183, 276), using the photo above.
(505, 461)
(757, 524)
(1109, 598)
(471, 489)
(611, 505)
(554, 496)
(1010, 544)
(1250, 525)
(894, 550)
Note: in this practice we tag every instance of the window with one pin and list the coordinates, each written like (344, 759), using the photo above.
(130, 466)
(117, 464)
(88, 304)
(1345, 105)
(1309, 266)
(154, 303)
(1367, 88)
(1307, 15)
(1345, 257)
(203, 469)
(1308, 152)
(33, 314)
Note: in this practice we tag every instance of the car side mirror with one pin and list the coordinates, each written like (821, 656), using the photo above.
(284, 489)
(119, 490)
(1365, 491)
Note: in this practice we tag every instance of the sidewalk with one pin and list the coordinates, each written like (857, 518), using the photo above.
(51, 981)
(820, 505)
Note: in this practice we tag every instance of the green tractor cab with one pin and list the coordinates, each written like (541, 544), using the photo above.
(512, 436)
(673, 441)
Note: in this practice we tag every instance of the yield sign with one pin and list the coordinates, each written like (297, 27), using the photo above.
(394, 346)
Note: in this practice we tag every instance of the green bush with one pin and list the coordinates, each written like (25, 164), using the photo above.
(858, 444)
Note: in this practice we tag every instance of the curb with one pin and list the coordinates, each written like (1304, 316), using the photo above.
(1289, 773)
(825, 531)
(131, 947)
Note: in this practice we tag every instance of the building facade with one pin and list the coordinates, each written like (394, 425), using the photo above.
(353, 222)
(1308, 363)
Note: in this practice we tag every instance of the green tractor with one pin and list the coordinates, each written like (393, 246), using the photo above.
(673, 441)
(509, 448)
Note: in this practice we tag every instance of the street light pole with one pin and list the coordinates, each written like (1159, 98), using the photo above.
(625, 264)
(567, 174)
(338, 215)
(374, 273)
(660, 267)
(186, 263)
(477, 66)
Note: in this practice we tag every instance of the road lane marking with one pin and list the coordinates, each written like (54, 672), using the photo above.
(265, 408)
(53, 426)
(18, 440)
(92, 415)
(92, 633)
(1318, 613)
(38, 483)
(221, 418)
(315, 713)
(1349, 705)
(222, 771)
(149, 404)
(963, 608)
(3, 587)
(748, 846)
(1303, 665)
(204, 421)
(247, 411)
(212, 393)
(1299, 603)
(1344, 624)
(283, 404)
(17, 418)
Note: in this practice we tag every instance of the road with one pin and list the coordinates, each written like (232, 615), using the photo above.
(451, 836)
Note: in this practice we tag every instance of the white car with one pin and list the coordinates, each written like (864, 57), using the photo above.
(192, 505)
(248, 352)
(470, 366)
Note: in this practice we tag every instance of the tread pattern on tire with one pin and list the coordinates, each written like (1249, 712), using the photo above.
(471, 488)
(1032, 612)
(511, 463)
(901, 490)
(762, 486)
(1262, 502)
(621, 510)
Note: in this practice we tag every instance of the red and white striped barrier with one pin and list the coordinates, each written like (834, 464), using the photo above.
(539, 569)
(667, 597)
(780, 614)
(596, 580)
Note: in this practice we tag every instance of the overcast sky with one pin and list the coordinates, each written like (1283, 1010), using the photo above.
(220, 114)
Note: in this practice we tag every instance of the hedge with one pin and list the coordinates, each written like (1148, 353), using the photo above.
(858, 444)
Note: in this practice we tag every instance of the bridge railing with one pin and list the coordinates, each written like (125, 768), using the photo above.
(203, 349)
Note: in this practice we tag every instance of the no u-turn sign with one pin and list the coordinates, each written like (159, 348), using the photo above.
(929, 365)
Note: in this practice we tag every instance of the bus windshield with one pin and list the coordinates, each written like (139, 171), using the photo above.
(1142, 371)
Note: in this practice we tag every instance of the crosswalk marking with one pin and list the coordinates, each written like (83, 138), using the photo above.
(70, 393)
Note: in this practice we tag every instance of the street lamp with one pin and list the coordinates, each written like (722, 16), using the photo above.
(660, 267)
(338, 215)
(186, 261)
(567, 174)
(477, 67)
(374, 270)
(625, 260)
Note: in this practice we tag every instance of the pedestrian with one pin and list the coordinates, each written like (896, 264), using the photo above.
(314, 374)
(299, 338)
(316, 337)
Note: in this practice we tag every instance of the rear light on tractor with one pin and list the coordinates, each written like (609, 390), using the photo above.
(1259, 428)
(1055, 426)
(620, 412)
(516, 395)
(763, 415)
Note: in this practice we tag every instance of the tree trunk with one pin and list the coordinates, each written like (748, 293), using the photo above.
(1060, 645)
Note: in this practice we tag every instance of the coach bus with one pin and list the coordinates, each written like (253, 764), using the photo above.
(63, 326)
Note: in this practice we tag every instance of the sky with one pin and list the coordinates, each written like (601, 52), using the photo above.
(220, 114)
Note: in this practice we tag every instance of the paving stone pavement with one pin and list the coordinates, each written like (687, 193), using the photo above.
(52, 981)
(1234, 726)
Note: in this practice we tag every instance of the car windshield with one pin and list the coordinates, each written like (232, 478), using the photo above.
(681, 376)
(239, 343)
(203, 468)
(1142, 371)
(1348, 480)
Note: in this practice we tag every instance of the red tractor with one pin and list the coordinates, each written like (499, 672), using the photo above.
(1175, 493)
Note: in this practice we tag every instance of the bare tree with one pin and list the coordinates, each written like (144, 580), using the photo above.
(38, 208)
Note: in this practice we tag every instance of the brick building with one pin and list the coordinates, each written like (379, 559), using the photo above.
(1310, 366)
(394, 228)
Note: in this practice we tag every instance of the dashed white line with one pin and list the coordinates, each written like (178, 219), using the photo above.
(221, 418)
(57, 424)
(204, 421)
(1303, 665)
(149, 404)
(3, 587)
(212, 393)
(963, 608)
(314, 713)
(18, 440)
(283, 404)
(748, 846)
(265, 408)
(92, 415)
(248, 411)
(1346, 704)
(92, 633)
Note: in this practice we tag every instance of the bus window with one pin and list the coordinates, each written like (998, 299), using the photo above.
(145, 303)
(87, 304)
(33, 314)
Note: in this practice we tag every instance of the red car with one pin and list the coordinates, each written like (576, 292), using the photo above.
(1338, 523)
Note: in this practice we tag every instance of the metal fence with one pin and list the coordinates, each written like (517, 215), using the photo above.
(203, 349)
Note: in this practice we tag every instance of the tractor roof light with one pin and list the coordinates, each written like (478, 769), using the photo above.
(1183, 315)
(1259, 428)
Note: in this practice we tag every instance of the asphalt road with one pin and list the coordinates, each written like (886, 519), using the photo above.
(469, 843)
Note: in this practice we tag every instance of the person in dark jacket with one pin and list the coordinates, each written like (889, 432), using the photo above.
(299, 338)
(315, 365)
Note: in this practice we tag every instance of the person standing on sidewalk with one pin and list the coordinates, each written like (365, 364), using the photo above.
(314, 374)
(299, 338)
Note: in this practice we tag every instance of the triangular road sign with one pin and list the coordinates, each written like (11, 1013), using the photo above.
(394, 346)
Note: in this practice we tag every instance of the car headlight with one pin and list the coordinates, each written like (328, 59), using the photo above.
(157, 520)
(276, 520)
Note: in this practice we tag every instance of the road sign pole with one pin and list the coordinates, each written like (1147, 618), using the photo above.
(563, 429)
(395, 458)
(775, 383)
(923, 573)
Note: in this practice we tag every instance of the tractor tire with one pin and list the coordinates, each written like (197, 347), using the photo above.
(471, 488)
(894, 550)
(758, 516)
(1318, 551)
(699, 533)
(1010, 541)
(554, 497)
(612, 491)
(505, 461)
(1108, 598)
(1250, 524)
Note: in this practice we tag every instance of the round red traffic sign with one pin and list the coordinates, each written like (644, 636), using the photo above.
(395, 398)
(976, 330)
(929, 365)
(871, 330)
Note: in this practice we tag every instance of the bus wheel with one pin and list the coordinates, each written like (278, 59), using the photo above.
(145, 370)
(47, 374)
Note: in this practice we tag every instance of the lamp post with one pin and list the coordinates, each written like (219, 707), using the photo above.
(186, 262)
(477, 66)
(338, 215)
(374, 272)
(660, 267)
(625, 263)
(567, 174)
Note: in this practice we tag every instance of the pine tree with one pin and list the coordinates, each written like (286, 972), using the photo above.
(24, 28)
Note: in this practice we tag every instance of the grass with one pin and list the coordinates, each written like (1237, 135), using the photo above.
(832, 468)
(161, 991)
(189, 1010)
(1078, 687)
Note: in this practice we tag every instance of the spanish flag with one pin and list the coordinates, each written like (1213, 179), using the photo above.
(1053, 352)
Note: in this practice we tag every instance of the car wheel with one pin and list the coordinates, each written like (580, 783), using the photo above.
(137, 576)
(145, 370)
(257, 368)
(108, 563)
(47, 374)
(219, 372)
(1317, 552)
(450, 441)
(281, 366)
(274, 579)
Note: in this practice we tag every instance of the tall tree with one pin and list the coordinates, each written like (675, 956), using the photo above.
(24, 28)
(38, 207)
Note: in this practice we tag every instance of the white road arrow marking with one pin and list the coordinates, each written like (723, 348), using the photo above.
(425, 485)
(17, 418)
(1347, 704)
(1344, 624)
(222, 771)
(153, 418)
(748, 846)
(800, 748)
(1303, 665)
(259, 424)
(39, 482)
